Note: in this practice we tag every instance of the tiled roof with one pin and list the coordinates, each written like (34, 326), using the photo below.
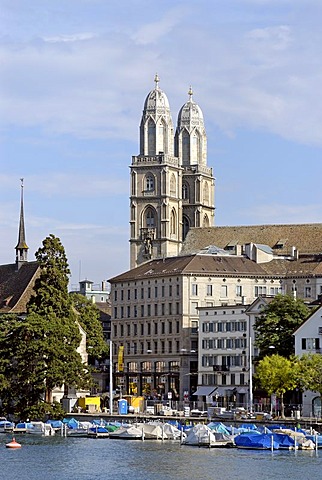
(16, 286)
(192, 265)
(307, 238)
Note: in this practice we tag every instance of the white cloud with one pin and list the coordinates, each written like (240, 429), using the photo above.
(77, 37)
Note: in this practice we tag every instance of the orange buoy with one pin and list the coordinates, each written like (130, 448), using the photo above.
(13, 444)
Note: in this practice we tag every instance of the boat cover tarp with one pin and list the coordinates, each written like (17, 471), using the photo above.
(254, 440)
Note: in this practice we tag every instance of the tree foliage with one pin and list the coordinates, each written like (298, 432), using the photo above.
(275, 326)
(277, 375)
(310, 372)
(39, 350)
(89, 318)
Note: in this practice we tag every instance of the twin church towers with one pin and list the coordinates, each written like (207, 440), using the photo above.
(172, 188)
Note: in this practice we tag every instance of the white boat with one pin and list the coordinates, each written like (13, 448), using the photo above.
(41, 428)
(6, 426)
(128, 432)
(201, 436)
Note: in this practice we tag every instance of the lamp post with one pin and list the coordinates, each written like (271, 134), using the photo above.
(250, 376)
(111, 378)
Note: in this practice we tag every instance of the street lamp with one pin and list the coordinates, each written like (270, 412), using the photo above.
(111, 379)
(250, 376)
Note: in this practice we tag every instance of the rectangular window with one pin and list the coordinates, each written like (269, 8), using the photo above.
(149, 310)
(135, 294)
(121, 330)
(310, 343)
(170, 327)
(170, 308)
(142, 329)
(170, 290)
(223, 291)
(155, 329)
(115, 312)
(135, 329)
(142, 310)
(149, 329)
(194, 306)
(129, 294)
(239, 291)
(128, 311)
(162, 309)
(242, 379)
(162, 328)
(232, 379)
(135, 311)
(307, 292)
(115, 295)
(260, 290)
(155, 309)
(177, 308)
(170, 346)
(122, 312)
(209, 290)
(156, 292)
(128, 329)
(142, 293)
(178, 290)
(194, 289)
(149, 292)
(177, 326)
(162, 291)
(115, 331)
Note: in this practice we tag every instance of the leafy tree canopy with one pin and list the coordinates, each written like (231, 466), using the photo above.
(89, 319)
(275, 326)
(310, 372)
(278, 375)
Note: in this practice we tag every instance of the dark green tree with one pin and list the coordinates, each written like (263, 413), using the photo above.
(275, 326)
(39, 351)
(89, 319)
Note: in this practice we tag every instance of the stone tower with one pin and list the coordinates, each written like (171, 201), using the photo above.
(198, 185)
(170, 192)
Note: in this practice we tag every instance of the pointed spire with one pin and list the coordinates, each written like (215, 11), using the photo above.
(22, 247)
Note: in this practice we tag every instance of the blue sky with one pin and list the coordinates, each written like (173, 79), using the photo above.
(73, 78)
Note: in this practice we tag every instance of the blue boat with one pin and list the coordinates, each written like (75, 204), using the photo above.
(264, 441)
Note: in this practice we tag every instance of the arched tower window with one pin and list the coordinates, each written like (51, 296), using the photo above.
(197, 218)
(173, 222)
(206, 193)
(205, 222)
(185, 192)
(173, 185)
(185, 148)
(151, 138)
(185, 227)
(150, 218)
(149, 183)
(195, 154)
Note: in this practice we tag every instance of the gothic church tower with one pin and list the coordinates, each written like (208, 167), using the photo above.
(169, 192)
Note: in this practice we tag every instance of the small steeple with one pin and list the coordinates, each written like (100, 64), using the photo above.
(22, 247)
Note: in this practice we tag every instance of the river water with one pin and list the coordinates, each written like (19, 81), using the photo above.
(59, 458)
